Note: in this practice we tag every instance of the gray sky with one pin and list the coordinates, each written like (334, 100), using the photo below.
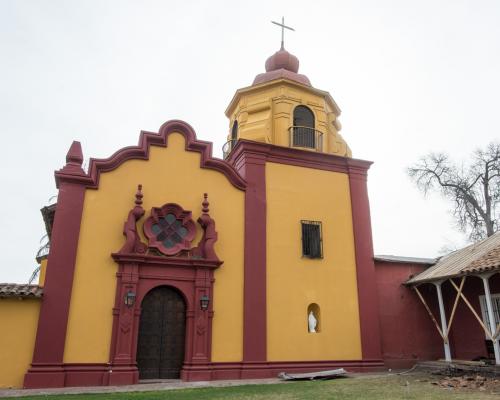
(410, 77)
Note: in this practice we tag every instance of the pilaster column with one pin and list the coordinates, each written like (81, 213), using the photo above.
(46, 368)
(365, 267)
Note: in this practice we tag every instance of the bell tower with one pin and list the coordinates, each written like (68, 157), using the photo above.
(281, 107)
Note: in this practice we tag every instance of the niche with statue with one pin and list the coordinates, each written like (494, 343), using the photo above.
(313, 318)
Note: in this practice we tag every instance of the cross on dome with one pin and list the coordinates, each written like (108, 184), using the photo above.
(283, 27)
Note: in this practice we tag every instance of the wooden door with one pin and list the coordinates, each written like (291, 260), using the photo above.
(160, 348)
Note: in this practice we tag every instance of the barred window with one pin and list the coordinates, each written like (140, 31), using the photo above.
(312, 242)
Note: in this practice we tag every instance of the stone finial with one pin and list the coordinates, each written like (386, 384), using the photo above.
(205, 204)
(138, 195)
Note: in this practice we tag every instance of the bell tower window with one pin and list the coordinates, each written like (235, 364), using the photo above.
(229, 145)
(303, 133)
(234, 131)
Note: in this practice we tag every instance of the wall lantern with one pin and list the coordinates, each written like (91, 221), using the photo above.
(129, 298)
(204, 302)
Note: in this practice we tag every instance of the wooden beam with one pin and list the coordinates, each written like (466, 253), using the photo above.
(462, 282)
(429, 312)
(486, 330)
(497, 332)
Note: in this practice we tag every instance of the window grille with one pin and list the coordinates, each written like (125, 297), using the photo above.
(312, 241)
(495, 302)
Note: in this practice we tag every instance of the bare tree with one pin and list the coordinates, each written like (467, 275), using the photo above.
(474, 188)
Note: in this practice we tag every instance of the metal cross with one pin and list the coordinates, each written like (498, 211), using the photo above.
(283, 26)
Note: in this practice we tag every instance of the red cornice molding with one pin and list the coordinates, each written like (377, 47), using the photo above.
(170, 261)
(297, 157)
(141, 152)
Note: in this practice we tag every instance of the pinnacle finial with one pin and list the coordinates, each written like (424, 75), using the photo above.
(138, 195)
(75, 154)
(205, 204)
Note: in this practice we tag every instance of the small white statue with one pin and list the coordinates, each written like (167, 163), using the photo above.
(313, 322)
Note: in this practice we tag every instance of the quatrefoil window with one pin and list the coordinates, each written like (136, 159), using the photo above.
(170, 229)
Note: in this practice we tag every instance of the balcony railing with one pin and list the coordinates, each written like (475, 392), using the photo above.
(228, 147)
(303, 136)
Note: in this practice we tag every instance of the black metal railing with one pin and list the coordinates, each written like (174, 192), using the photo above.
(228, 147)
(303, 136)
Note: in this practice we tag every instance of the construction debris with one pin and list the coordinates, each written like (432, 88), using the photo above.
(334, 373)
(470, 382)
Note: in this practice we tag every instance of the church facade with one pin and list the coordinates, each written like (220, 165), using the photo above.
(166, 262)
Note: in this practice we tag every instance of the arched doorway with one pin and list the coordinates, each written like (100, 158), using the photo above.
(160, 347)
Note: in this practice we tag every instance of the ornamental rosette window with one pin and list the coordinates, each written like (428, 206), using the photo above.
(170, 229)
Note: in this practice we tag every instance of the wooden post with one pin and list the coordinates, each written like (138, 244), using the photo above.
(489, 305)
(444, 327)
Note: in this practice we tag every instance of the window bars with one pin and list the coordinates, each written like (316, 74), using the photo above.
(312, 241)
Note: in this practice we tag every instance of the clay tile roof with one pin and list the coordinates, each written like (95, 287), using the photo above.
(20, 290)
(478, 257)
(488, 262)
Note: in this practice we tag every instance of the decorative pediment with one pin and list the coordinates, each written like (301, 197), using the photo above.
(170, 231)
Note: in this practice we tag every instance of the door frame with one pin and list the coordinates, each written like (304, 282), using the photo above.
(139, 274)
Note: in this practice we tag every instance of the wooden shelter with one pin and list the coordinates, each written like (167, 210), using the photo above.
(478, 261)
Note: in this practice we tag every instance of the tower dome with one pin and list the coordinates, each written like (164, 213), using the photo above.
(282, 64)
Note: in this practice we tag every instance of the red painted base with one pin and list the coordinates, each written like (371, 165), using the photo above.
(105, 375)
(44, 376)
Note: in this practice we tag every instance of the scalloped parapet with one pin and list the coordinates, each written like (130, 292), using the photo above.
(74, 173)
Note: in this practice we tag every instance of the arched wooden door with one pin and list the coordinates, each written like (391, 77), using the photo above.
(160, 348)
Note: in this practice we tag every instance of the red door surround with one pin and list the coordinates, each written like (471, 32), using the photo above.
(141, 273)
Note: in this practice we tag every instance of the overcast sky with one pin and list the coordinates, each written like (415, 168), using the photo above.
(410, 77)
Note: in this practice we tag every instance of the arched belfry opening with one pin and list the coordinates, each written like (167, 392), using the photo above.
(162, 329)
(303, 132)
(303, 116)
(234, 131)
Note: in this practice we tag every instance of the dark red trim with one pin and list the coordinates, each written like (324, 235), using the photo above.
(293, 156)
(141, 152)
(252, 166)
(106, 375)
(365, 268)
(50, 339)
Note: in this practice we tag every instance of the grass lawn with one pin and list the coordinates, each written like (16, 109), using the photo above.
(414, 386)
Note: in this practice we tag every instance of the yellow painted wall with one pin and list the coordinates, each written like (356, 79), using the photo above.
(265, 113)
(18, 323)
(172, 175)
(43, 271)
(293, 282)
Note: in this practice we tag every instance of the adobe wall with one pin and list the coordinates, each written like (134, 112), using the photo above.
(19, 318)
(408, 334)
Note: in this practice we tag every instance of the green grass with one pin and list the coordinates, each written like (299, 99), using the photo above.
(368, 387)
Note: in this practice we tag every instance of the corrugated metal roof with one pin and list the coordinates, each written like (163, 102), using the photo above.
(478, 257)
(402, 259)
(20, 290)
